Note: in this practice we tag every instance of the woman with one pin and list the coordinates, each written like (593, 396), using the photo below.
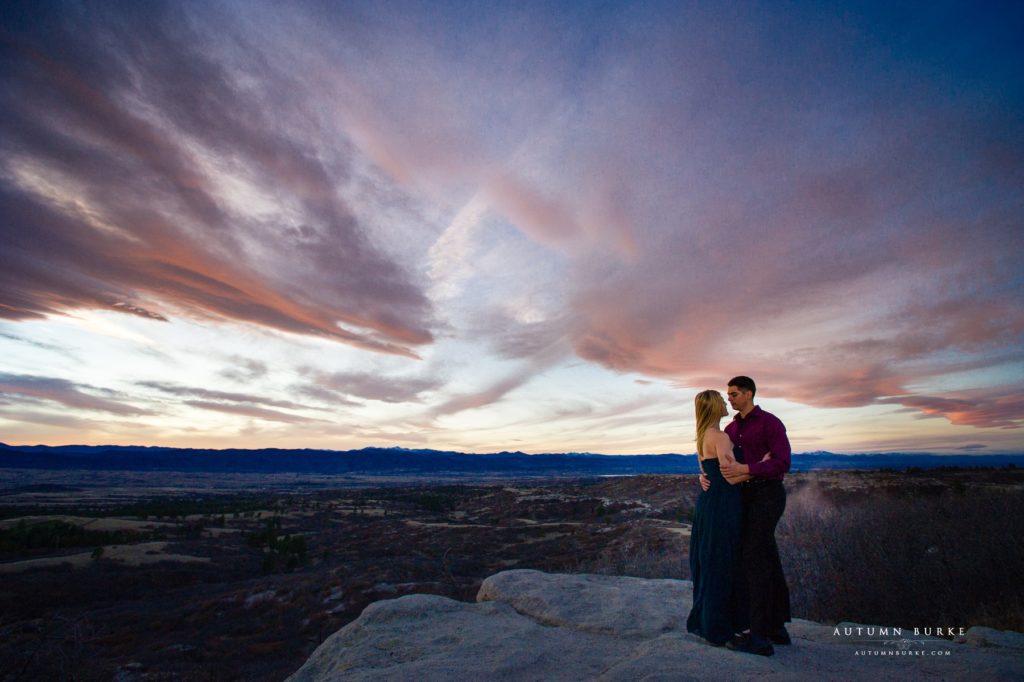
(720, 607)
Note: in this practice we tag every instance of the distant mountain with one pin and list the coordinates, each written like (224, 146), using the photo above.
(399, 460)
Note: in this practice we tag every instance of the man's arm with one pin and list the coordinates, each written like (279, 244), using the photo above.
(705, 482)
(735, 471)
(778, 445)
(726, 459)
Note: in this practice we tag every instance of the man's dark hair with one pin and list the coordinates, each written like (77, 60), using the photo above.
(744, 384)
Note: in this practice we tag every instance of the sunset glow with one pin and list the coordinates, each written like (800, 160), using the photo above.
(487, 227)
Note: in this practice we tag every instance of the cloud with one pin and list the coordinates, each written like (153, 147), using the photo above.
(38, 344)
(368, 386)
(113, 198)
(490, 394)
(451, 255)
(177, 389)
(64, 392)
(533, 365)
(512, 337)
(981, 409)
(249, 411)
(64, 421)
(244, 369)
(324, 395)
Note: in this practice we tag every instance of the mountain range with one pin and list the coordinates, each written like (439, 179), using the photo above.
(399, 460)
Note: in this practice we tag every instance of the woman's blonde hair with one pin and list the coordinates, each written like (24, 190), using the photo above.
(709, 406)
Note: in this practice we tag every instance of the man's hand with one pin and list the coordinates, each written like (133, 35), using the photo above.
(705, 482)
(731, 470)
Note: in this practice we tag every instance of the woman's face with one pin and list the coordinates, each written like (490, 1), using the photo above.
(725, 410)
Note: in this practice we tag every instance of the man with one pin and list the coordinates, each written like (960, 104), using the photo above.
(756, 433)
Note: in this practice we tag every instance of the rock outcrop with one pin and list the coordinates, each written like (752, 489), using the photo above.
(530, 625)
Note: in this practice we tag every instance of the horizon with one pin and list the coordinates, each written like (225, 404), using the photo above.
(545, 229)
(543, 452)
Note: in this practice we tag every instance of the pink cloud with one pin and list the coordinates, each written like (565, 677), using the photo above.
(63, 392)
(249, 411)
(981, 409)
(179, 248)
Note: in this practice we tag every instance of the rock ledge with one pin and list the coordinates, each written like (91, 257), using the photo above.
(530, 625)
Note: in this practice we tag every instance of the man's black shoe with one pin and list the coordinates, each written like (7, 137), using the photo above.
(754, 644)
(739, 638)
(780, 636)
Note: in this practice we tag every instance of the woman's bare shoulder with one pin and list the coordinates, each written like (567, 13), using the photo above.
(722, 443)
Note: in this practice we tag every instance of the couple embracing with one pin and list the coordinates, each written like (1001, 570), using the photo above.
(740, 597)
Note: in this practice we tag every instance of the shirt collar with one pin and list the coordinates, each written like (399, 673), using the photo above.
(756, 412)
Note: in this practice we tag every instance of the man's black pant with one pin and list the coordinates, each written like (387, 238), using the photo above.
(763, 504)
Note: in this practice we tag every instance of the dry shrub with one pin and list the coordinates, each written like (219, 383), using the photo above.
(942, 560)
(640, 558)
(265, 648)
(946, 560)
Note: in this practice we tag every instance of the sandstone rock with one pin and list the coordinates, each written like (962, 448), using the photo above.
(983, 636)
(529, 625)
(627, 607)
(426, 637)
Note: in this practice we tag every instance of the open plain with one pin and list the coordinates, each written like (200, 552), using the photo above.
(197, 577)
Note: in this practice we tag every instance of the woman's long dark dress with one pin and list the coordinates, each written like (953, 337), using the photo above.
(720, 606)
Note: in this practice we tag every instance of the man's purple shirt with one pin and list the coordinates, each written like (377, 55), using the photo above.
(757, 434)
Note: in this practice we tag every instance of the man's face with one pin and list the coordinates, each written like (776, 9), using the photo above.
(739, 399)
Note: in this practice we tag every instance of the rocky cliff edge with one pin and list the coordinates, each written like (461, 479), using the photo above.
(530, 625)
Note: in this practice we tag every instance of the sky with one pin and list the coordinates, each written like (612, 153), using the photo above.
(490, 226)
